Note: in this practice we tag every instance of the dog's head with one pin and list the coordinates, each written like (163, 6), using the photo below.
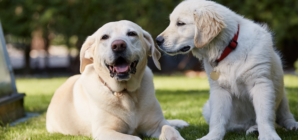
(193, 23)
(119, 49)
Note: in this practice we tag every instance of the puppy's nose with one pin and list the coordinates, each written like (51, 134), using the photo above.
(118, 46)
(159, 40)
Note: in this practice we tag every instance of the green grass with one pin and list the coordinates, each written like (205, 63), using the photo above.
(180, 98)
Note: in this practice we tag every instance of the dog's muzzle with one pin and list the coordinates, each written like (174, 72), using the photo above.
(122, 68)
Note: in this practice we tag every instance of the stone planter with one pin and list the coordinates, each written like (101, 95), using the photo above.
(11, 102)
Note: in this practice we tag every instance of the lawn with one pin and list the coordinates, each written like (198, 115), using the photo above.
(180, 98)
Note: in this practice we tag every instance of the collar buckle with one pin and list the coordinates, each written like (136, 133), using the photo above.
(233, 44)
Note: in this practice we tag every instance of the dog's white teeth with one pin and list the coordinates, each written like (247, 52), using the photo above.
(110, 67)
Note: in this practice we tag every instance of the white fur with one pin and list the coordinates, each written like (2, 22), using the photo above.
(83, 105)
(250, 90)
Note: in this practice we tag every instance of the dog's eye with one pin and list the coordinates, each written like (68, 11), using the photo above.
(104, 37)
(179, 23)
(131, 34)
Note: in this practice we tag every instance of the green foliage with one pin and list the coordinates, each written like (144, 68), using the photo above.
(280, 15)
(73, 19)
(82, 18)
(79, 19)
(179, 100)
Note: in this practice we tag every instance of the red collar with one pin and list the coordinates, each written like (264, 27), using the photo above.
(232, 46)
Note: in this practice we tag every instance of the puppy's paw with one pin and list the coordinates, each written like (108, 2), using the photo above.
(214, 134)
(208, 137)
(267, 136)
(293, 126)
(178, 123)
(136, 138)
(170, 133)
(126, 137)
(252, 129)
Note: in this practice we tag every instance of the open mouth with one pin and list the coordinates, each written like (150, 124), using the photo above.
(185, 49)
(122, 68)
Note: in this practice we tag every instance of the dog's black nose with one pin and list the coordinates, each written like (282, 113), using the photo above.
(159, 40)
(118, 46)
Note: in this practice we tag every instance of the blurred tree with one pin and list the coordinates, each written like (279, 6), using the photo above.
(280, 16)
(14, 16)
(74, 20)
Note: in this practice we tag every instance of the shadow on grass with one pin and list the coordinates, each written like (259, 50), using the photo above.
(198, 131)
(292, 89)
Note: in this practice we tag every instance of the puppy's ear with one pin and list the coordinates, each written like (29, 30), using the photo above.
(154, 52)
(208, 25)
(86, 53)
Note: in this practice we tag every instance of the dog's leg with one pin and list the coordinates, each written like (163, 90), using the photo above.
(178, 123)
(220, 111)
(164, 131)
(284, 117)
(263, 96)
(107, 134)
(207, 112)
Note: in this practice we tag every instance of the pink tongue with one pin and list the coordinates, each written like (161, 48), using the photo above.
(121, 68)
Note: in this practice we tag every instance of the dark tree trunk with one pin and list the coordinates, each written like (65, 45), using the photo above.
(27, 49)
(290, 53)
(75, 66)
(47, 45)
(70, 60)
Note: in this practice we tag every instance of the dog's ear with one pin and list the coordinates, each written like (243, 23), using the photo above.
(86, 53)
(208, 25)
(154, 52)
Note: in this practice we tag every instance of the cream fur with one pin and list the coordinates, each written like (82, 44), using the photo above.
(83, 105)
(250, 93)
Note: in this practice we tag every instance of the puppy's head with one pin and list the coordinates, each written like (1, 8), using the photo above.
(193, 23)
(119, 49)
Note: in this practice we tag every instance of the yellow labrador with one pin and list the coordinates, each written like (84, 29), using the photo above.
(114, 97)
(246, 80)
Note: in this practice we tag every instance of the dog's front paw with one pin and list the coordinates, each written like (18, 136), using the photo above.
(170, 133)
(215, 134)
(293, 126)
(136, 138)
(210, 137)
(268, 136)
(252, 129)
(178, 123)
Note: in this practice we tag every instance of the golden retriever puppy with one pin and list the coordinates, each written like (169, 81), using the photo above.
(245, 72)
(114, 97)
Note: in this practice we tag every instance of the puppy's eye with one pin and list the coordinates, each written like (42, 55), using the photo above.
(104, 37)
(131, 34)
(179, 23)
